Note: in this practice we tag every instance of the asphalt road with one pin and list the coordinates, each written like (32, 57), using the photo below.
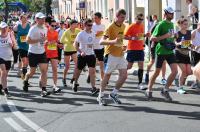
(80, 112)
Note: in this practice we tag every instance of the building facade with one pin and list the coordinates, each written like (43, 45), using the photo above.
(79, 9)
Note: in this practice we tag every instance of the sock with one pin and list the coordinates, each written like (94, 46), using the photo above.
(166, 88)
(140, 75)
(24, 70)
(115, 91)
(101, 94)
(5, 89)
(43, 88)
(1, 87)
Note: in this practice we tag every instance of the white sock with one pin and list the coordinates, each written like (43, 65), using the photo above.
(115, 91)
(166, 88)
(101, 94)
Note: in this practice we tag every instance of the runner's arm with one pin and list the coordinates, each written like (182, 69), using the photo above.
(104, 41)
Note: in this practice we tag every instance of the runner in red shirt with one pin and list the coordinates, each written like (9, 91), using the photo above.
(52, 52)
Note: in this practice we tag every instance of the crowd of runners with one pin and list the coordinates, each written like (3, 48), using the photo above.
(44, 41)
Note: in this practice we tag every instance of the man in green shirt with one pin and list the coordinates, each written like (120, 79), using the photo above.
(164, 33)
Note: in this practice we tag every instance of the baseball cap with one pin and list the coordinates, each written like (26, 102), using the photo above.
(3, 25)
(169, 10)
(40, 15)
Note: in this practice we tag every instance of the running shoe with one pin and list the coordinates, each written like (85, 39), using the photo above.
(94, 91)
(101, 101)
(72, 81)
(44, 93)
(194, 85)
(115, 98)
(141, 87)
(166, 95)
(163, 82)
(148, 95)
(6, 93)
(181, 90)
(75, 87)
(56, 89)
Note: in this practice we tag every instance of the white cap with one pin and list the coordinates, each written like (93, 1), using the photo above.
(168, 10)
(3, 25)
(40, 15)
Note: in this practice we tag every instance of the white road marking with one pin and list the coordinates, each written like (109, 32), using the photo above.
(24, 118)
(14, 125)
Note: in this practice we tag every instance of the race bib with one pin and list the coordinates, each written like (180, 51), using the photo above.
(140, 36)
(52, 46)
(23, 39)
(90, 46)
(99, 34)
(186, 43)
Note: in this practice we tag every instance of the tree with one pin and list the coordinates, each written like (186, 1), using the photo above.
(6, 10)
(37, 6)
(48, 7)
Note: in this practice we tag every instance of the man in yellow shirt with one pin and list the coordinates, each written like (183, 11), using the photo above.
(67, 39)
(114, 56)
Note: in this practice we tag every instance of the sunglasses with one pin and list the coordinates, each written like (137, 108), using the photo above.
(140, 19)
(53, 25)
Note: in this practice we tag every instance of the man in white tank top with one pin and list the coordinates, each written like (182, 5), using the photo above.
(196, 47)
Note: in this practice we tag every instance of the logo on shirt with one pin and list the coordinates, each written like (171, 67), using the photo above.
(90, 39)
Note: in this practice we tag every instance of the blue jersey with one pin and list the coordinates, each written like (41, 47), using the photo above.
(21, 36)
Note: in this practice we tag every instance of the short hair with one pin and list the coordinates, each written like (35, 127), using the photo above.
(73, 21)
(98, 14)
(23, 15)
(181, 21)
(86, 21)
(120, 11)
(139, 15)
(52, 21)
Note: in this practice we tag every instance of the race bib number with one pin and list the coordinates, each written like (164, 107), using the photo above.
(90, 46)
(52, 46)
(5, 43)
(99, 34)
(23, 39)
(140, 36)
(186, 43)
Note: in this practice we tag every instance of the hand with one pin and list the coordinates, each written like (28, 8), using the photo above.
(83, 54)
(124, 47)
(60, 46)
(117, 40)
(154, 39)
(148, 35)
(42, 39)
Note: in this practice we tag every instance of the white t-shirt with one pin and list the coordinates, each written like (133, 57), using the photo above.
(36, 33)
(98, 30)
(190, 7)
(6, 48)
(196, 39)
(60, 32)
(86, 42)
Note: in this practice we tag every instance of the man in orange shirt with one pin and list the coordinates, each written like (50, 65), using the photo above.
(135, 48)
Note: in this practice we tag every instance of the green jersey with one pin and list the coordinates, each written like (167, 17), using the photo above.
(162, 28)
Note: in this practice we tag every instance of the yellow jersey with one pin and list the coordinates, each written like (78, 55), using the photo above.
(112, 32)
